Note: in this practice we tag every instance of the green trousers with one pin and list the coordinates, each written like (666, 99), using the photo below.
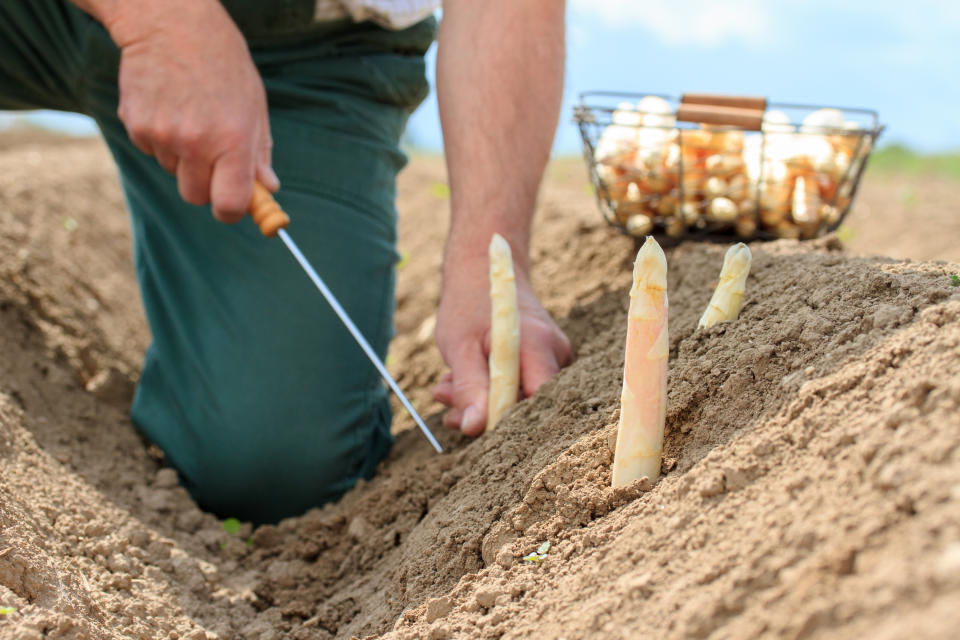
(258, 396)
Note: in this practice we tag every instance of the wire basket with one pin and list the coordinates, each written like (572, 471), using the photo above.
(713, 165)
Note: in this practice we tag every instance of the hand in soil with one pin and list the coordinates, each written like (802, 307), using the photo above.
(463, 336)
(191, 97)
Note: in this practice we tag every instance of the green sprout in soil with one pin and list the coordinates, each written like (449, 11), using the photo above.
(232, 526)
(955, 280)
(5, 611)
(538, 556)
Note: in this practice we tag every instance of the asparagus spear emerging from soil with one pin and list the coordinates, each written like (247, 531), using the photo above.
(504, 333)
(643, 404)
(725, 304)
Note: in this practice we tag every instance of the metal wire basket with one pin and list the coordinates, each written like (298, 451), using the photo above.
(713, 165)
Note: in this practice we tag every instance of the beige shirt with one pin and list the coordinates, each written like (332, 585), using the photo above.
(391, 14)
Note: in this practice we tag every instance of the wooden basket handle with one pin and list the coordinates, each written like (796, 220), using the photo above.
(749, 119)
(718, 100)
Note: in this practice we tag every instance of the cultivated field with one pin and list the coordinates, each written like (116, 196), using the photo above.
(811, 481)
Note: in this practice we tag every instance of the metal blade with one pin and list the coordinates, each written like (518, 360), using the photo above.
(352, 328)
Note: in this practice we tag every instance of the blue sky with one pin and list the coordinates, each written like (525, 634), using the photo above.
(900, 58)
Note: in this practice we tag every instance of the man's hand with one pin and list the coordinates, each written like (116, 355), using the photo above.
(499, 113)
(191, 97)
(463, 335)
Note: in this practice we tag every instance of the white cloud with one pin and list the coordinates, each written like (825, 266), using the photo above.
(685, 22)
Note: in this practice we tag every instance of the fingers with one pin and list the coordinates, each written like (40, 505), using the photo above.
(469, 384)
(537, 365)
(140, 134)
(231, 186)
(265, 173)
(443, 391)
(168, 161)
(562, 349)
(223, 179)
(193, 181)
(268, 178)
(227, 184)
(474, 419)
(541, 358)
(452, 418)
(205, 123)
(543, 352)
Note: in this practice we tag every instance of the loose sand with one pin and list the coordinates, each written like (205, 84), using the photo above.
(812, 467)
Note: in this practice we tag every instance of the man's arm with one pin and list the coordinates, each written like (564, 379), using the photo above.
(499, 84)
(191, 97)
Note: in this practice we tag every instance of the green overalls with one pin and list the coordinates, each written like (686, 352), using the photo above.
(258, 396)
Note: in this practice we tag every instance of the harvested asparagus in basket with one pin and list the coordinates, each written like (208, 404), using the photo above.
(725, 304)
(742, 169)
(504, 358)
(643, 403)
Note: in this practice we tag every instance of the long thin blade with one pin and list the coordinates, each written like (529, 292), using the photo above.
(352, 328)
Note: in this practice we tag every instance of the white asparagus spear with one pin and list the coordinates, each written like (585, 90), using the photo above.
(643, 404)
(504, 333)
(725, 304)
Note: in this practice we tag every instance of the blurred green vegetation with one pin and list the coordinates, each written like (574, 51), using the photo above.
(898, 158)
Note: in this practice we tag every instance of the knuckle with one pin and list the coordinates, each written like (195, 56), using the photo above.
(191, 140)
(233, 136)
(161, 133)
(465, 389)
(136, 127)
(139, 142)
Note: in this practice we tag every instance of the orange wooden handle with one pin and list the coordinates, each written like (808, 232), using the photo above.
(266, 212)
(718, 100)
(750, 119)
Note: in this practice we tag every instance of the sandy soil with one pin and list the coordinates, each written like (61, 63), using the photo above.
(812, 467)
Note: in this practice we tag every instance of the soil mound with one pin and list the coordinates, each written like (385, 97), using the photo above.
(812, 467)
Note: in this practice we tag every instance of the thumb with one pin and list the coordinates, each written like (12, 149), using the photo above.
(471, 381)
